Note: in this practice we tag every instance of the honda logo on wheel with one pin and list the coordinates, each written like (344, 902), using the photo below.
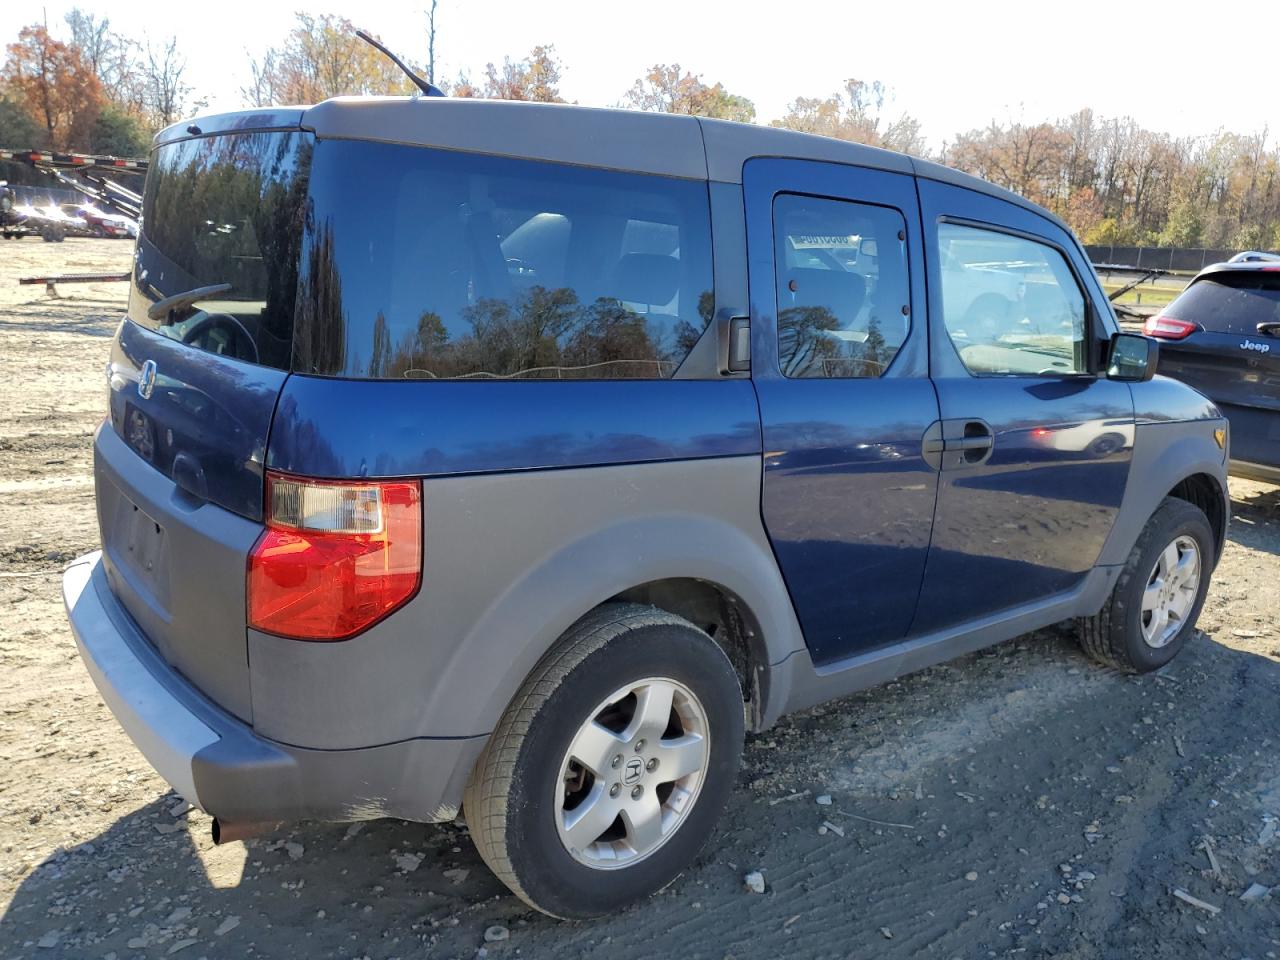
(633, 771)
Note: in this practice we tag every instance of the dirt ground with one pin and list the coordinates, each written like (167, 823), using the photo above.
(1019, 802)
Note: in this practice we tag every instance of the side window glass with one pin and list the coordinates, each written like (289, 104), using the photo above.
(457, 265)
(843, 293)
(1011, 306)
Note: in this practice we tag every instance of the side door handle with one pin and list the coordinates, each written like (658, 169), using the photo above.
(972, 440)
(950, 444)
(977, 442)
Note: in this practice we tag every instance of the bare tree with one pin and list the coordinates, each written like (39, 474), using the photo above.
(431, 43)
(95, 40)
(113, 58)
(263, 75)
(167, 94)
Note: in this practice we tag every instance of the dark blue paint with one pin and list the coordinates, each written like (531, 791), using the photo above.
(1164, 400)
(205, 425)
(847, 498)
(1030, 521)
(382, 428)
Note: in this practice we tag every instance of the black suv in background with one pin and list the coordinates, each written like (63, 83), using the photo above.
(1221, 335)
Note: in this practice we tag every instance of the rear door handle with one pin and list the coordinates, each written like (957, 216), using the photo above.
(983, 442)
(948, 444)
(1269, 327)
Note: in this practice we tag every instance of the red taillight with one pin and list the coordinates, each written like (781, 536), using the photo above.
(1167, 328)
(335, 558)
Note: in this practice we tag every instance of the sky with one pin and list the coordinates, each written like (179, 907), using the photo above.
(955, 66)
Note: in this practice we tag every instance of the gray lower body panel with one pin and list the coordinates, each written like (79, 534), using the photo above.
(218, 763)
(510, 562)
(808, 685)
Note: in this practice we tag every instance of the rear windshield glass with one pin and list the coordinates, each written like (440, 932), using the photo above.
(429, 264)
(222, 221)
(1230, 302)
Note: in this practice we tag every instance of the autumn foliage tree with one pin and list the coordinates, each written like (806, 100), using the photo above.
(854, 114)
(322, 57)
(50, 81)
(98, 91)
(665, 89)
(1117, 183)
(535, 78)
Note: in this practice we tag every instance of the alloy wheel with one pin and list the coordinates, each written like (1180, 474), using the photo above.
(1171, 590)
(632, 773)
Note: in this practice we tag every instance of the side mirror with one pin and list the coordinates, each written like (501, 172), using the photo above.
(1133, 357)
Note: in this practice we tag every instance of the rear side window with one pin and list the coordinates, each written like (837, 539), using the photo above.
(430, 264)
(843, 295)
(1011, 305)
(1232, 303)
(224, 213)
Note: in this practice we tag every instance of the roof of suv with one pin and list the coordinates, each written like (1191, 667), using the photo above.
(657, 143)
(1240, 267)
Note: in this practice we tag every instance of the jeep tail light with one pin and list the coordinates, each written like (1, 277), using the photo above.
(1168, 328)
(336, 557)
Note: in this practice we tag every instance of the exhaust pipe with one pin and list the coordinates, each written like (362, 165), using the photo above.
(224, 832)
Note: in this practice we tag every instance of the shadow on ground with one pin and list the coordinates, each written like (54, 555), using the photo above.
(58, 316)
(1253, 509)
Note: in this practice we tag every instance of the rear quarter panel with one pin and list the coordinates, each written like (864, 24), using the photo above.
(541, 500)
(510, 562)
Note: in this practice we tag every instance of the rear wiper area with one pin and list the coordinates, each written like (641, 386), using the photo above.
(161, 308)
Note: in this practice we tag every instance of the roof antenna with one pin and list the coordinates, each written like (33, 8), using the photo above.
(428, 89)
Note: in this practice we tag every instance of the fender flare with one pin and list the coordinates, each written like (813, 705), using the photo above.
(1164, 455)
(524, 622)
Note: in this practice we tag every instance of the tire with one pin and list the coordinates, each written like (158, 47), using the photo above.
(1123, 634)
(525, 783)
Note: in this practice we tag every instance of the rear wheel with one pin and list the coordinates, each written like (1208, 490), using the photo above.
(1153, 607)
(625, 737)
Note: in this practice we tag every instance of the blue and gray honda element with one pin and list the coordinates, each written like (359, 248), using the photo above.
(512, 459)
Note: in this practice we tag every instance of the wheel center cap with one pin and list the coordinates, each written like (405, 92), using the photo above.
(633, 771)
